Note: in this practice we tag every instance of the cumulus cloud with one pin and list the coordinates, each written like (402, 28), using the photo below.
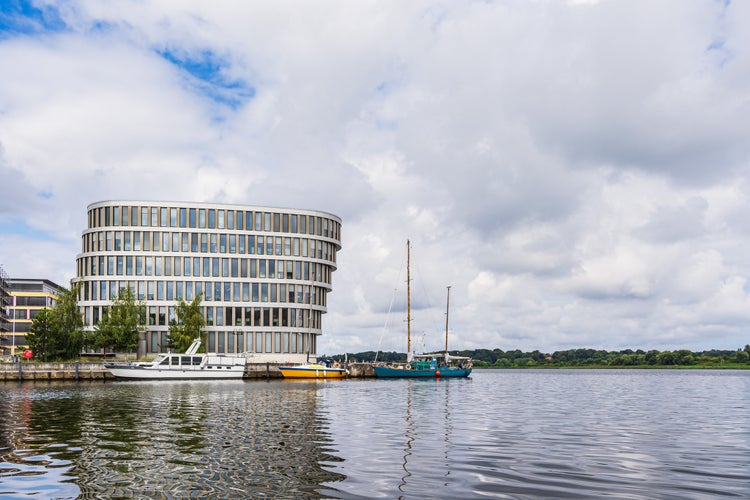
(575, 171)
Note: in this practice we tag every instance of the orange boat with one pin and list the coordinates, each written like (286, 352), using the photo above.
(312, 371)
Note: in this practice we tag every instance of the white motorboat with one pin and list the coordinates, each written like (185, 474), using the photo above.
(182, 366)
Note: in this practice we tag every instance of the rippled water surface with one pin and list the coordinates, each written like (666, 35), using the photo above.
(499, 434)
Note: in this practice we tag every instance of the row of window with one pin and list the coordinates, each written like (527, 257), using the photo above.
(216, 291)
(202, 267)
(213, 218)
(34, 301)
(157, 241)
(291, 317)
(231, 342)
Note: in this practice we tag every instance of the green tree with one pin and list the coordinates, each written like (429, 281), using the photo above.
(742, 356)
(122, 323)
(67, 326)
(41, 337)
(188, 325)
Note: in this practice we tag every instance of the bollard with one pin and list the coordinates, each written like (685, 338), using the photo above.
(76, 371)
(20, 372)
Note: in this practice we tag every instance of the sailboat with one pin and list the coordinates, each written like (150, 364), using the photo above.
(431, 365)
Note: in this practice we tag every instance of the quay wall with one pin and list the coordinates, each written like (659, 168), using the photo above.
(53, 371)
(25, 371)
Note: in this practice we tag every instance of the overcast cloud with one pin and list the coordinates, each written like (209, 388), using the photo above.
(576, 171)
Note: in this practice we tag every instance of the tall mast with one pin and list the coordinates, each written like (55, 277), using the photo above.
(447, 308)
(408, 300)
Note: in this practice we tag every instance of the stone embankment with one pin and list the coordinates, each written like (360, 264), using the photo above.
(53, 371)
(26, 371)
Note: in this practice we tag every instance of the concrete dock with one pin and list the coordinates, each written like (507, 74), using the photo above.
(26, 371)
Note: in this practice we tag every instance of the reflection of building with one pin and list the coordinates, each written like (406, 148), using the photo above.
(263, 273)
(27, 298)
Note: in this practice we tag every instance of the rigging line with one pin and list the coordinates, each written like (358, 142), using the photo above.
(432, 319)
(390, 307)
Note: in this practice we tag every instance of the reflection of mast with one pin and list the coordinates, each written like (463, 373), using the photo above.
(409, 438)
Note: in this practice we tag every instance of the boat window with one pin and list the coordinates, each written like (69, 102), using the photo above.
(185, 360)
(197, 360)
(164, 361)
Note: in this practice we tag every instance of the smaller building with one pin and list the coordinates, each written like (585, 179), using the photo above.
(26, 298)
(4, 309)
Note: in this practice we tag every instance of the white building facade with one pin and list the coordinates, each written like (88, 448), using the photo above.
(263, 273)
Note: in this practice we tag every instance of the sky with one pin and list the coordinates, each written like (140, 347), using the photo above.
(578, 172)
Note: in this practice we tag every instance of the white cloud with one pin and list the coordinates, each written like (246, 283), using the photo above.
(575, 184)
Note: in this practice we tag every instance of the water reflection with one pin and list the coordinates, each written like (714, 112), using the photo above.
(164, 439)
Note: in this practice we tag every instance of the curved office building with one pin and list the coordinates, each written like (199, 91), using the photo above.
(264, 273)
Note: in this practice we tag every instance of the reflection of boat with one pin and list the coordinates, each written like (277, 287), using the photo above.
(312, 371)
(433, 365)
(188, 365)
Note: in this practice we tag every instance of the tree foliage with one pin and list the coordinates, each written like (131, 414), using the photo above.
(57, 333)
(122, 323)
(42, 337)
(582, 357)
(188, 325)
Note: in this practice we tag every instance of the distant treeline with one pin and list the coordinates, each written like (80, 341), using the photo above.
(497, 358)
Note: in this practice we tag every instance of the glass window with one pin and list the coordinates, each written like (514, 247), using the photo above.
(211, 218)
(268, 342)
(183, 217)
(285, 223)
(258, 341)
(241, 241)
(232, 243)
(222, 243)
(220, 217)
(213, 243)
(251, 244)
(202, 218)
(230, 219)
(276, 223)
(240, 220)
(266, 221)
(192, 217)
(172, 217)
(259, 221)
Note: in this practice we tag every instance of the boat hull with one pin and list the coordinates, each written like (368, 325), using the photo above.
(312, 372)
(134, 372)
(442, 372)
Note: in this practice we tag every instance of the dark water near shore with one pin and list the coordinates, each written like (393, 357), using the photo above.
(499, 434)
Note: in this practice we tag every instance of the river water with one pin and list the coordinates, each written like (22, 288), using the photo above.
(499, 434)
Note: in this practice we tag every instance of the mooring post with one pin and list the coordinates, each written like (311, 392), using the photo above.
(76, 371)
(268, 370)
(20, 373)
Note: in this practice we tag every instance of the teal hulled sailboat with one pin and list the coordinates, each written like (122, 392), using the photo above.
(431, 365)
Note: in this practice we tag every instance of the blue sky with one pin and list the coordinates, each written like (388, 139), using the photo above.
(575, 184)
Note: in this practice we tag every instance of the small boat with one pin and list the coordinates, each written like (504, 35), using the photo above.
(182, 366)
(315, 370)
(432, 365)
